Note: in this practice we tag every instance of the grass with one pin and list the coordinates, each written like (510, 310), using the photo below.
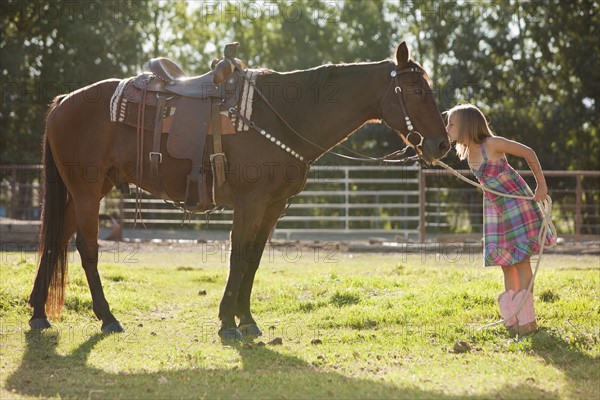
(352, 326)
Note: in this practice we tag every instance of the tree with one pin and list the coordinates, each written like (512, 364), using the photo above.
(54, 48)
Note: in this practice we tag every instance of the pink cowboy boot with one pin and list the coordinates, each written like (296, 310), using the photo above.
(526, 315)
(507, 309)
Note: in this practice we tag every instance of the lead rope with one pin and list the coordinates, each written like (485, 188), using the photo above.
(547, 226)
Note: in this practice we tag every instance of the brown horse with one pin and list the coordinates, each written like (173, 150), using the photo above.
(86, 155)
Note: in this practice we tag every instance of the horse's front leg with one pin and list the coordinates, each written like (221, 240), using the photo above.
(247, 325)
(245, 250)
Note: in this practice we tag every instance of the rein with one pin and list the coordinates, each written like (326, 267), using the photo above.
(390, 158)
(547, 226)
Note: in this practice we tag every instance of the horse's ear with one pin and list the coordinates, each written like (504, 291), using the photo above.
(402, 55)
(222, 70)
(214, 63)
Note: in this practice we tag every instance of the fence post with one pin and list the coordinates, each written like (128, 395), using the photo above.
(121, 209)
(12, 211)
(422, 183)
(578, 217)
(347, 199)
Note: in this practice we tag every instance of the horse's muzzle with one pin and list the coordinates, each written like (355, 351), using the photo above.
(432, 149)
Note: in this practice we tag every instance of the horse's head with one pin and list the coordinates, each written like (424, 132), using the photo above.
(409, 107)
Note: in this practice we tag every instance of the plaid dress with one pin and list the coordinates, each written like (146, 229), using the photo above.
(511, 225)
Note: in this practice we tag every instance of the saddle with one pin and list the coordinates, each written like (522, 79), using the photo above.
(172, 80)
(166, 69)
(166, 101)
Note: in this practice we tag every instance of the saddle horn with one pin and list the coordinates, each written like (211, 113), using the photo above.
(230, 50)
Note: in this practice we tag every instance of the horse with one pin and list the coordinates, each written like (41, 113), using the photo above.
(302, 115)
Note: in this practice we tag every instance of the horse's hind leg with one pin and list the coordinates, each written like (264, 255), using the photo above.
(39, 293)
(86, 211)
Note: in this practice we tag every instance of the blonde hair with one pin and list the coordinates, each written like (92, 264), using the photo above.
(472, 127)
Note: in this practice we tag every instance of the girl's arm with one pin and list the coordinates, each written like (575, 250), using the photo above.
(502, 145)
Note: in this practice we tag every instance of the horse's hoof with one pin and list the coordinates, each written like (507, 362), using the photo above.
(250, 330)
(113, 327)
(231, 334)
(39, 323)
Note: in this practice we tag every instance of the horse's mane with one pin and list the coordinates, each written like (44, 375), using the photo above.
(320, 73)
(318, 69)
(413, 63)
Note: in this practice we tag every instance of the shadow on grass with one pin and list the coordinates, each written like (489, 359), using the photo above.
(264, 374)
(581, 369)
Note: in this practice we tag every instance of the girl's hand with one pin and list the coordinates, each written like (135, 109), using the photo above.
(541, 191)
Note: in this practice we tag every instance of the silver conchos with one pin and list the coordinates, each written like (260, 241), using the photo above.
(280, 144)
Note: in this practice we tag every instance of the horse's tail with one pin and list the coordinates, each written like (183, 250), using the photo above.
(52, 246)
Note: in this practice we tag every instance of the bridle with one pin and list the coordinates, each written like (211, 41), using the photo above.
(413, 139)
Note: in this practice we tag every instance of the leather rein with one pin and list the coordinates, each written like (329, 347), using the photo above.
(413, 139)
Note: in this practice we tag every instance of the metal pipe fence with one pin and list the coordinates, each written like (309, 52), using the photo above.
(455, 206)
(409, 202)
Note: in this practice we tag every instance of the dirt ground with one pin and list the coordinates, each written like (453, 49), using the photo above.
(23, 235)
(373, 245)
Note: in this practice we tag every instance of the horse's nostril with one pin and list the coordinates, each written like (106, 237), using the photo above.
(444, 145)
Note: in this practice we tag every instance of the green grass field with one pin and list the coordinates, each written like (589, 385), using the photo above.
(352, 326)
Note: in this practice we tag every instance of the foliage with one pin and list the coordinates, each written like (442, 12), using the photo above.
(533, 67)
(53, 48)
(517, 60)
(352, 326)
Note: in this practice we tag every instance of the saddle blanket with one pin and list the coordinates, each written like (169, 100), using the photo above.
(126, 111)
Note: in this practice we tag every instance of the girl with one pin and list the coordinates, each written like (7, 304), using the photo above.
(511, 225)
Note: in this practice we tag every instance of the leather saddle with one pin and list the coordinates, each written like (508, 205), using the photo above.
(168, 78)
(183, 107)
(166, 69)
(172, 79)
